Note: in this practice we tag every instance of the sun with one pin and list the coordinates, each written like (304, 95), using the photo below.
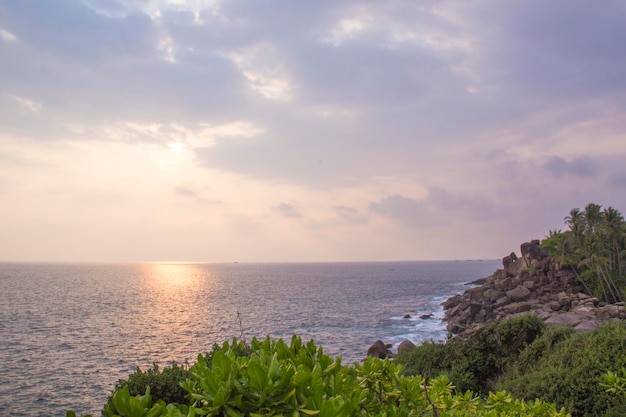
(177, 146)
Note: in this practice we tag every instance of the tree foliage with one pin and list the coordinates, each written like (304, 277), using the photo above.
(594, 248)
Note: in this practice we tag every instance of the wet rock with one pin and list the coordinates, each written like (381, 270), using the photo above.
(406, 316)
(378, 350)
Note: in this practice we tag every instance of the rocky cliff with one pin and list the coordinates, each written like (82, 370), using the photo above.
(529, 283)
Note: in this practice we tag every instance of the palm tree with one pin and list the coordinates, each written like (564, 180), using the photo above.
(575, 222)
(594, 247)
(614, 225)
(592, 217)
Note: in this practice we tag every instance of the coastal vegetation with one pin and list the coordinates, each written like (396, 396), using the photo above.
(273, 378)
(512, 367)
(594, 248)
(529, 360)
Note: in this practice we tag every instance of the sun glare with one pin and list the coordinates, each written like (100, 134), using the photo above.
(169, 275)
(177, 146)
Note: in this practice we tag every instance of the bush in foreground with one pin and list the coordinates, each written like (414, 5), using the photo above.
(477, 363)
(164, 384)
(569, 373)
(273, 378)
(523, 357)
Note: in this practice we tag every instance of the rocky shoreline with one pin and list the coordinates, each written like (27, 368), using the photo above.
(531, 283)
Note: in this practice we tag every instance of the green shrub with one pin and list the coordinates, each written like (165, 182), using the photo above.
(272, 378)
(164, 384)
(541, 346)
(570, 372)
(475, 365)
(455, 359)
(299, 380)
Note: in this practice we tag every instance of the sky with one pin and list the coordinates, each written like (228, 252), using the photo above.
(304, 131)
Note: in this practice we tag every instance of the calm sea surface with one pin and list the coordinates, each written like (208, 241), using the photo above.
(69, 332)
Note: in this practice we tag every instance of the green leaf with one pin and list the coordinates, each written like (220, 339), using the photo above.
(257, 375)
(310, 412)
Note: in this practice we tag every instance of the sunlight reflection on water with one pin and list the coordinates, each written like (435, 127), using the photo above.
(68, 332)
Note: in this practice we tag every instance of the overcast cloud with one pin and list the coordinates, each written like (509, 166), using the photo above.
(209, 130)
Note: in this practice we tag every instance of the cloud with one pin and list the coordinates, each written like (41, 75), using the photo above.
(618, 180)
(185, 192)
(7, 36)
(349, 215)
(580, 167)
(407, 211)
(26, 104)
(288, 210)
(413, 120)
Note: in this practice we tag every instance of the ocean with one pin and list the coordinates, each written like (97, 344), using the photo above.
(68, 332)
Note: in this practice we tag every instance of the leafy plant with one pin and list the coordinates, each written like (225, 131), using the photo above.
(164, 384)
(271, 378)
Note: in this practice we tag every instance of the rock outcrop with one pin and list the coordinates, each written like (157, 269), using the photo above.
(530, 283)
(405, 346)
(379, 350)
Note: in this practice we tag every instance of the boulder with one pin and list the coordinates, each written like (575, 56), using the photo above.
(426, 316)
(494, 295)
(378, 350)
(520, 293)
(479, 281)
(507, 261)
(515, 308)
(587, 326)
(452, 302)
(405, 346)
(532, 282)
(566, 319)
(503, 284)
(406, 316)
(476, 293)
(555, 306)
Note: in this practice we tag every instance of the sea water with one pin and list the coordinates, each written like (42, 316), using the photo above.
(68, 332)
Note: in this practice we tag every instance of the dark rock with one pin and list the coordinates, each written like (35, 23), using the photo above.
(555, 306)
(516, 308)
(530, 251)
(407, 316)
(507, 261)
(378, 350)
(426, 316)
(587, 326)
(479, 281)
(532, 282)
(520, 293)
(503, 284)
(494, 295)
(475, 308)
(452, 302)
(476, 294)
(406, 346)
